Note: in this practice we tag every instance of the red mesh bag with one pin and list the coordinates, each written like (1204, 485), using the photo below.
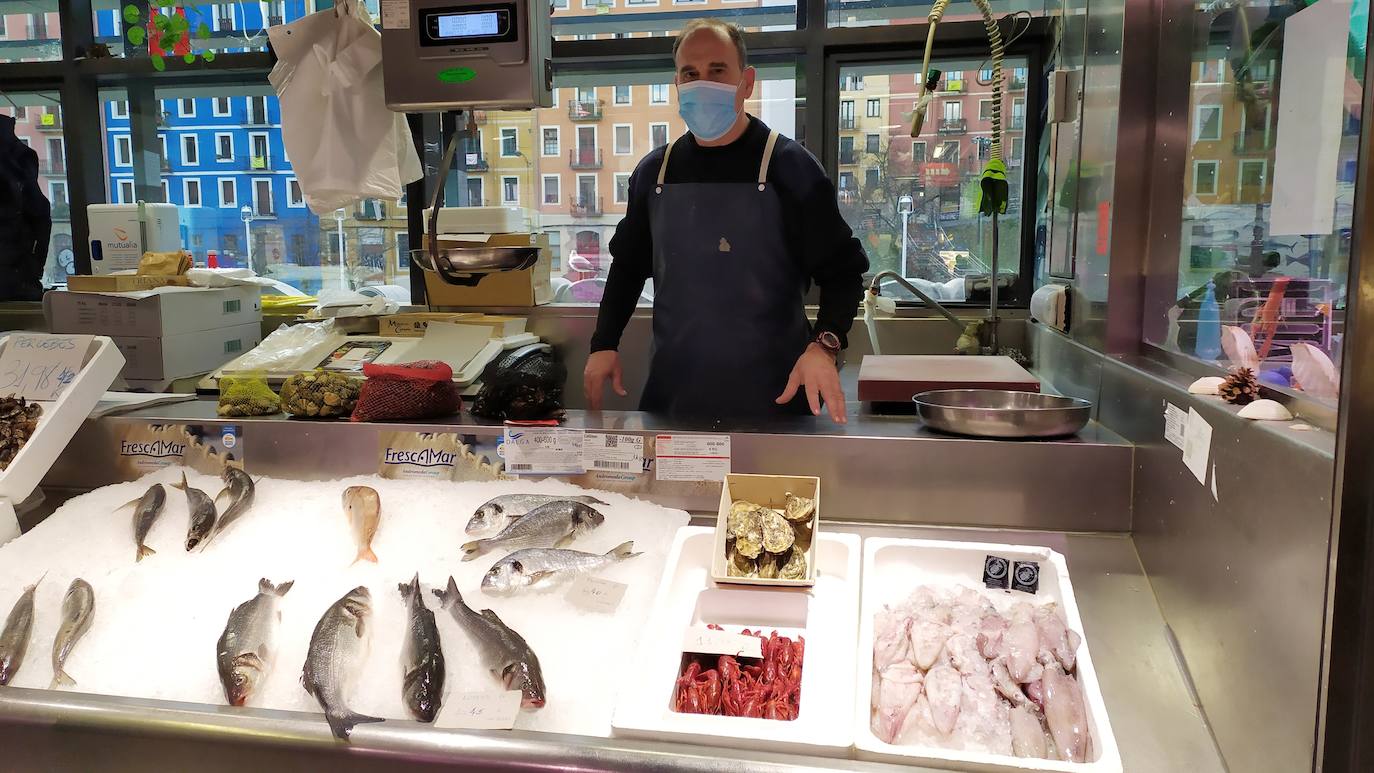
(411, 390)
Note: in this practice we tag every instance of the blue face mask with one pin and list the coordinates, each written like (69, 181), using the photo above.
(708, 108)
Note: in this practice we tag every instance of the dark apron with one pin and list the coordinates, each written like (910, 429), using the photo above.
(729, 314)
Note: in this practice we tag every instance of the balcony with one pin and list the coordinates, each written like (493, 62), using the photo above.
(849, 156)
(584, 158)
(1252, 144)
(847, 123)
(955, 86)
(258, 163)
(585, 109)
(953, 126)
(50, 122)
(62, 213)
(473, 162)
(585, 206)
(52, 167)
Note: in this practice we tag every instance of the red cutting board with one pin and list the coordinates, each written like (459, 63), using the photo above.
(897, 378)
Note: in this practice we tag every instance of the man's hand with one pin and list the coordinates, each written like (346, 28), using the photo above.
(815, 370)
(601, 366)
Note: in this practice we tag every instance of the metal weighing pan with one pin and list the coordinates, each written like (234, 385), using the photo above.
(1002, 413)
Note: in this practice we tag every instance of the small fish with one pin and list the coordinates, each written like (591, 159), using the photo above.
(501, 649)
(239, 486)
(146, 510)
(202, 510)
(244, 652)
(338, 648)
(422, 660)
(363, 507)
(531, 565)
(551, 525)
(498, 513)
(78, 609)
(14, 639)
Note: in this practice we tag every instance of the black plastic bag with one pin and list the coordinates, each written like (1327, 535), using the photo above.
(523, 384)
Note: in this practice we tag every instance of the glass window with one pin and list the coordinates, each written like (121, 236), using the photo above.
(622, 95)
(221, 107)
(123, 150)
(870, 143)
(846, 114)
(190, 190)
(474, 193)
(954, 110)
(874, 108)
(48, 143)
(551, 189)
(551, 136)
(166, 187)
(871, 177)
(1208, 126)
(622, 188)
(985, 109)
(658, 94)
(126, 192)
(847, 154)
(624, 139)
(918, 152)
(118, 109)
(606, 19)
(1205, 178)
(510, 190)
(658, 135)
(224, 147)
(31, 36)
(186, 108)
(510, 146)
(190, 149)
(295, 197)
(57, 193)
(228, 192)
(984, 77)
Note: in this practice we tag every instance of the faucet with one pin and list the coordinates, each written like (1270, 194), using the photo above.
(967, 342)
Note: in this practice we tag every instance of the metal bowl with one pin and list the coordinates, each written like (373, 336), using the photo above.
(1002, 413)
(457, 265)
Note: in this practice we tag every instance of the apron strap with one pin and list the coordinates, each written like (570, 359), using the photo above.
(767, 157)
(663, 168)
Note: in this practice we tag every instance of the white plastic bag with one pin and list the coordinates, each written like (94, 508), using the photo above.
(343, 142)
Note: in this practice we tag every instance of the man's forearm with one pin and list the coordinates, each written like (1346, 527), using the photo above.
(618, 303)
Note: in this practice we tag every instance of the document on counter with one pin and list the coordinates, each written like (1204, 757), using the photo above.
(1197, 445)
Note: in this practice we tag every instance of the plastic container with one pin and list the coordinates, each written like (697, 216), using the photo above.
(769, 491)
(893, 568)
(824, 615)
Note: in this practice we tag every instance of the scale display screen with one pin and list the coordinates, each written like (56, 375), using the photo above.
(469, 25)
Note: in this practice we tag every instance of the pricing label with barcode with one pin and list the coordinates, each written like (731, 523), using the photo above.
(613, 453)
(543, 451)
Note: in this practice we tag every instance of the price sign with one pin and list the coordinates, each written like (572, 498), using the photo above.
(692, 457)
(541, 450)
(709, 641)
(480, 711)
(613, 453)
(37, 366)
(596, 595)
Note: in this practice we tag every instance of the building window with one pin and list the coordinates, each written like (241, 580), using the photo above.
(1208, 127)
(258, 150)
(550, 147)
(126, 192)
(918, 152)
(224, 147)
(221, 107)
(852, 83)
(190, 149)
(874, 108)
(623, 145)
(166, 191)
(658, 94)
(846, 114)
(257, 110)
(510, 190)
(228, 192)
(186, 108)
(57, 155)
(1018, 146)
(295, 197)
(658, 135)
(985, 109)
(509, 143)
(947, 152)
(622, 188)
(871, 177)
(622, 95)
(123, 151)
(586, 191)
(1250, 178)
(475, 198)
(985, 76)
(846, 181)
(118, 108)
(262, 198)
(1205, 178)
(57, 193)
(552, 195)
(871, 143)
(954, 110)
(190, 191)
(560, 5)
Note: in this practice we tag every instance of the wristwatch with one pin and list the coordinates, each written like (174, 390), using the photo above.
(831, 344)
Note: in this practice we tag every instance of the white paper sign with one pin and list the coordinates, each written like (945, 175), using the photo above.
(709, 641)
(595, 594)
(543, 451)
(692, 457)
(395, 14)
(38, 366)
(1197, 445)
(480, 711)
(613, 453)
(1175, 420)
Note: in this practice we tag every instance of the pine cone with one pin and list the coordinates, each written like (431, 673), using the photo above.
(1240, 387)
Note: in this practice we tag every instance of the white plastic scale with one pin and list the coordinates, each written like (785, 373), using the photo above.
(67, 375)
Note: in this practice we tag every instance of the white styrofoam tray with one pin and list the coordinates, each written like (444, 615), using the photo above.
(893, 568)
(824, 614)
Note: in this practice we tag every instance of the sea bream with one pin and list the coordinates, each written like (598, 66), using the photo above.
(363, 506)
(503, 651)
(422, 659)
(14, 639)
(147, 508)
(527, 567)
(551, 525)
(202, 510)
(244, 652)
(498, 513)
(239, 486)
(78, 609)
(338, 648)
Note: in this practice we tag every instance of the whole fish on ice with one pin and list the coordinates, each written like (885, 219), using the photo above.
(244, 652)
(338, 648)
(422, 658)
(498, 512)
(202, 510)
(147, 508)
(363, 506)
(503, 651)
(240, 488)
(532, 565)
(14, 639)
(550, 525)
(78, 609)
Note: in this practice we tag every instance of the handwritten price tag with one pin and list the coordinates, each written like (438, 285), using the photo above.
(480, 711)
(596, 595)
(709, 641)
(37, 366)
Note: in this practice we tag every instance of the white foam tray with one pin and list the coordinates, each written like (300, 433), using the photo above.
(825, 614)
(893, 568)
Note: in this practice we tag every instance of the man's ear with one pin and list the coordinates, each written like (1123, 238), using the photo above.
(750, 76)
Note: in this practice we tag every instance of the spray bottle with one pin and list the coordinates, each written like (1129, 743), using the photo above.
(1209, 326)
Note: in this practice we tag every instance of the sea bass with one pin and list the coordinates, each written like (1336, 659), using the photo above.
(14, 639)
(531, 565)
(498, 513)
(78, 609)
(338, 648)
(550, 525)
(239, 486)
(202, 510)
(501, 649)
(244, 652)
(146, 510)
(422, 659)
(363, 507)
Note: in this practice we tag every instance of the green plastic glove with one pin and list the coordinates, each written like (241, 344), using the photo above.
(992, 189)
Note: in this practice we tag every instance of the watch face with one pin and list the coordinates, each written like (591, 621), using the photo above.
(829, 340)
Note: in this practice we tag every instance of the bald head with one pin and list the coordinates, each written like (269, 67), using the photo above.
(727, 33)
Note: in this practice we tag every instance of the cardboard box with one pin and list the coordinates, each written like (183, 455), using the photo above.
(768, 491)
(117, 237)
(413, 324)
(122, 283)
(152, 314)
(187, 354)
(529, 287)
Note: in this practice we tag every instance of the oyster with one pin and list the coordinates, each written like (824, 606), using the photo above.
(795, 568)
(740, 566)
(768, 566)
(734, 522)
(798, 508)
(749, 537)
(803, 533)
(777, 532)
(18, 420)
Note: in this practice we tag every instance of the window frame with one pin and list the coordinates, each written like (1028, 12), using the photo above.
(505, 178)
(869, 104)
(1216, 175)
(596, 184)
(186, 184)
(615, 187)
(667, 94)
(1198, 123)
(193, 145)
(544, 190)
(515, 139)
(257, 203)
(232, 153)
(219, 192)
(557, 140)
(1242, 163)
(667, 133)
(119, 191)
(182, 111)
(629, 95)
(228, 107)
(121, 114)
(52, 195)
(615, 139)
(293, 186)
(127, 157)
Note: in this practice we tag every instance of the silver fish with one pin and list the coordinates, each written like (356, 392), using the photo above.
(78, 609)
(531, 565)
(551, 525)
(338, 648)
(422, 660)
(146, 510)
(501, 649)
(202, 510)
(498, 513)
(14, 639)
(244, 652)
(239, 486)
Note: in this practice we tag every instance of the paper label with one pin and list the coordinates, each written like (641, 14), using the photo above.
(1197, 445)
(1175, 420)
(480, 711)
(352, 356)
(1026, 576)
(613, 453)
(395, 14)
(417, 455)
(709, 641)
(595, 594)
(38, 366)
(543, 451)
(692, 457)
(996, 572)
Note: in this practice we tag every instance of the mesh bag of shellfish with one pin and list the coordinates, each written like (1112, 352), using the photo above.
(412, 390)
(525, 384)
(319, 394)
